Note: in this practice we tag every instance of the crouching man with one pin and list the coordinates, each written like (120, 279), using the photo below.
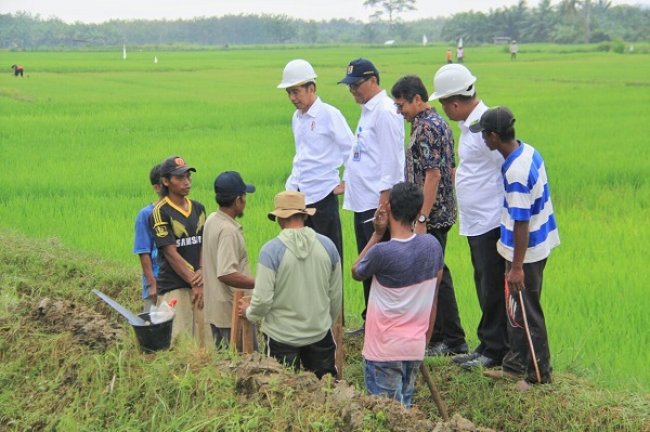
(298, 290)
(406, 272)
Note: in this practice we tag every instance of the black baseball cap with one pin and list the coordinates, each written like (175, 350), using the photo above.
(229, 184)
(174, 165)
(498, 119)
(359, 69)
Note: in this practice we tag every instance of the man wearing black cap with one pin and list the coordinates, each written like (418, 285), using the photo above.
(377, 159)
(528, 233)
(177, 223)
(225, 260)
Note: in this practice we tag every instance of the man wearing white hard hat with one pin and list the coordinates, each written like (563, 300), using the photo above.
(323, 142)
(479, 191)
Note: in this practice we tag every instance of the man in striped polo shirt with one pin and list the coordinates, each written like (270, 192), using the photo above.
(528, 234)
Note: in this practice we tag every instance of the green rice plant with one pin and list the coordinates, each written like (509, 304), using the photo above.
(80, 132)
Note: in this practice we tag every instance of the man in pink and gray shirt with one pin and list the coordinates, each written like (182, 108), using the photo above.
(405, 272)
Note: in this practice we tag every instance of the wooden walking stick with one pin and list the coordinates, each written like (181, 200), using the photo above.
(247, 334)
(510, 312)
(530, 339)
(235, 321)
(337, 333)
(435, 394)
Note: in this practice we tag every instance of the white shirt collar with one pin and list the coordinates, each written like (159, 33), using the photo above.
(476, 114)
(374, 101)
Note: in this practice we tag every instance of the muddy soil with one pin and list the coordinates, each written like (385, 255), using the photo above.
(87, 326)
(262, 379)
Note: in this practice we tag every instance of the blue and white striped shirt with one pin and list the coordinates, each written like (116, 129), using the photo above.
(527, 199)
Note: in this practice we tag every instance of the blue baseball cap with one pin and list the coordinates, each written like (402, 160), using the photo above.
(229, 184)
(359, 69)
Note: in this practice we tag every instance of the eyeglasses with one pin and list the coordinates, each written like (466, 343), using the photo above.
(356, 85)
(400, 106)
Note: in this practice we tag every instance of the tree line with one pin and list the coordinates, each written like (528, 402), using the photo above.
(570, 21)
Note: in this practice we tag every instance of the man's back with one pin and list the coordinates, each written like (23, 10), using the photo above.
(403, 289)
(297, 287)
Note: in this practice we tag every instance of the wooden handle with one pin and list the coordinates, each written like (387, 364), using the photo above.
(235, 321)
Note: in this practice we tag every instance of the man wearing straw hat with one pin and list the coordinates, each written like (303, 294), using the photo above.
(298, 293)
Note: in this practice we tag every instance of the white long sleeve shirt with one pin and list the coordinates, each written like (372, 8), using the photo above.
(323, 142)
(377, 159)
(479, 184)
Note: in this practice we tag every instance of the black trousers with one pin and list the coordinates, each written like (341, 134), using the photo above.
(363, 232)
(447, 328)
(519, 359)
(489, 270)
(318, 357)
(327, 221)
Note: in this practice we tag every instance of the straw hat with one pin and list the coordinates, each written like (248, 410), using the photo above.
(288, 204)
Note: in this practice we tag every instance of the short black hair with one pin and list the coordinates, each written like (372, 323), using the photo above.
(408, 86)
(405, 202)
(459, 98)
(225, 202)
(154, 175)
(506, 135)
(309, 83)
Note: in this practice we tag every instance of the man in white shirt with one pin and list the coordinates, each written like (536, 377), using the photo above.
(377, 159)
(323, 142)
(479, 190)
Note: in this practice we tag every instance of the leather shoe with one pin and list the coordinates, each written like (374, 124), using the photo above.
(462, 358)
(442, 349)
(358, 332)
(480, 361)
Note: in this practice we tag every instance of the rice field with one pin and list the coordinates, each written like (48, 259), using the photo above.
(81, 130)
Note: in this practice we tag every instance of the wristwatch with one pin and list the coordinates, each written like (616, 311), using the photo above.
(423, 219)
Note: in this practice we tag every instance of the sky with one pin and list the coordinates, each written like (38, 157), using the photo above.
(96, 11)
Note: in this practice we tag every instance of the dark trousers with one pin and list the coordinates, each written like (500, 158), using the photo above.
(519, 359)
(489, 270)
(363, 232)
(447, 328)
(317, 357)
(326, 221)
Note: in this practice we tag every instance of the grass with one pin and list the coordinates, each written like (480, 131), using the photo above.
(80, 132)
(50, 381)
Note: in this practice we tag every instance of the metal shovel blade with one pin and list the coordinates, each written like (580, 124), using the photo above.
(133, 318)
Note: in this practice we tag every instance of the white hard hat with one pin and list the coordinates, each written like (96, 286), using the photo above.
(451, 80)
(297, 72)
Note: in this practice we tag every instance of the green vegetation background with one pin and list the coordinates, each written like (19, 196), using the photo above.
(80, 132)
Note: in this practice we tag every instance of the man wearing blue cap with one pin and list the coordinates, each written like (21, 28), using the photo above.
(225, 260)
(377, 159)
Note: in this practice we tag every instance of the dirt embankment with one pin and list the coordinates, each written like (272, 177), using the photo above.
(87, 326)
(259, 379)
(262, 379)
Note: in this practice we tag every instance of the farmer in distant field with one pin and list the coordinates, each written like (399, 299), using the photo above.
(514, 49)
(144, 245)
(460, 54)
(377, 159)
(225, 260)
(528, 234)
(177, 223)
(430, 164)
(479, 192)
(405, 273)
(448, 57)
(18, 69)
(297, 294)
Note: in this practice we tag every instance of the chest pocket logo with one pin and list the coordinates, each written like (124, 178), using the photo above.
(161, 230)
